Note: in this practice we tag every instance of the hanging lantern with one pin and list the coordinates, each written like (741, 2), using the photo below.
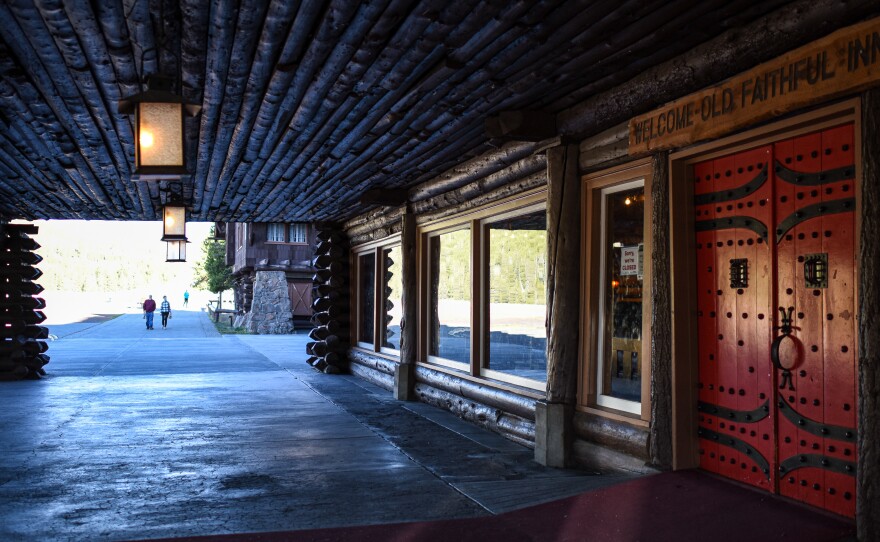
(159, 138)
(174, 232)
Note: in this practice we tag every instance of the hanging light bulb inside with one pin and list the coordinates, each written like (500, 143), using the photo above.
(146, 139)
(627, 201)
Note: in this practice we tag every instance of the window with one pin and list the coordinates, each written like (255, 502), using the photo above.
(618, 268)
(296, 233)
(392, 291)
(367, 287)
(449, 272)
(484, 296)
(516, 247)
(377, 271)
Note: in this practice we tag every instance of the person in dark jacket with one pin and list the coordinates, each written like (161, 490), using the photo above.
(149, 309)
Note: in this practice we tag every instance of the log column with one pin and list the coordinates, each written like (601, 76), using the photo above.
(553, 416)
(660, 437)
(22, 353)
(404, 373)
(330, 303)
(867, 477)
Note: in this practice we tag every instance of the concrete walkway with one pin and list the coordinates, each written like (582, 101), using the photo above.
(140, 434)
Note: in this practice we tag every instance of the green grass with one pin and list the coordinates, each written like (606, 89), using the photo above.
(226, 329)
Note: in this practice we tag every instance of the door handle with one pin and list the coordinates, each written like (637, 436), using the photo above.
(784, 332)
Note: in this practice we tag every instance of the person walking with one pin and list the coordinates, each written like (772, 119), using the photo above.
(149, 308)
(186, 298)
(165, 311)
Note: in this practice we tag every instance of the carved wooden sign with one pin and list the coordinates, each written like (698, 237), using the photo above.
(841, 63)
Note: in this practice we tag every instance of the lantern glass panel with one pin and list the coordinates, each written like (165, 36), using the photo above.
(174, 220)
(176, 251)
(160, 134)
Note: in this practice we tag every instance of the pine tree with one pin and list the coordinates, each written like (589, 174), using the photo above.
(212, 273)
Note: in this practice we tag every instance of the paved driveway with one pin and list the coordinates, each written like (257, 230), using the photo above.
(181, 431)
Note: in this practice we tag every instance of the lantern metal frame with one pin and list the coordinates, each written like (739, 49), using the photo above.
(159, 91)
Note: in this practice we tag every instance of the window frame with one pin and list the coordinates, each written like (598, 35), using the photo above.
(484, 310)
(595, 186)
(376, 249)
(477, 221)
(437, 360)
(288, 228)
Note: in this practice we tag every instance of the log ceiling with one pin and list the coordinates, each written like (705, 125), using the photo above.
(306, 105)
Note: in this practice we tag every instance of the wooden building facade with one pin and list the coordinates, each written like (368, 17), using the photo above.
(252, 247)
(692, 287)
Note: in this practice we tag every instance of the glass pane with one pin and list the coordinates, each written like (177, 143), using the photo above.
(623, 261)
(298, 233)
(161, 134)
(450, 291)
(367, 278)
(517, 296)
(275, 233)
(392, 293)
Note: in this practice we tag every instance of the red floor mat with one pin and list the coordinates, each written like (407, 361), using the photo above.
(684, 506)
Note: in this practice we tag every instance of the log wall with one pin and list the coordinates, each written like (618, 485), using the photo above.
(867, 483)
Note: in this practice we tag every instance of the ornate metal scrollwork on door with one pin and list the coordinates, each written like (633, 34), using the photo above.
(785, 332)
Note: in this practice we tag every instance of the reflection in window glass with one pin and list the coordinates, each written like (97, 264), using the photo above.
(517, 298)
(450, 295)
(367, 279)
(392, 297)
(623, 211)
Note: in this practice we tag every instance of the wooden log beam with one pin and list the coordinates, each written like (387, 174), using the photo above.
(273, 148)
(605, 148)
(524, 168)
(867, 483)
(386, 142)
(515, 428)
(515, 403)
(735, 50)
(355, 135)
(522, 125)
(251, 16)
(319, 167)
(219, 48)
(623, 64)
(275, 35)
(563, 273)
(32, 46)
(79, 39)
(385, 197)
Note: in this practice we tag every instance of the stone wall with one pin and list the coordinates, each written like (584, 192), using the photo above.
(270, 312)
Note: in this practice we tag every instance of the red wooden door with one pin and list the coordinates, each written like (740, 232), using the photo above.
(775, 238)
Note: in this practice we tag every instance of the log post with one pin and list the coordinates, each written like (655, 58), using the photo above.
(867, 479)
(330, 288)
(660, 433)
(553, 416)
(22, 339)
(404, 373)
